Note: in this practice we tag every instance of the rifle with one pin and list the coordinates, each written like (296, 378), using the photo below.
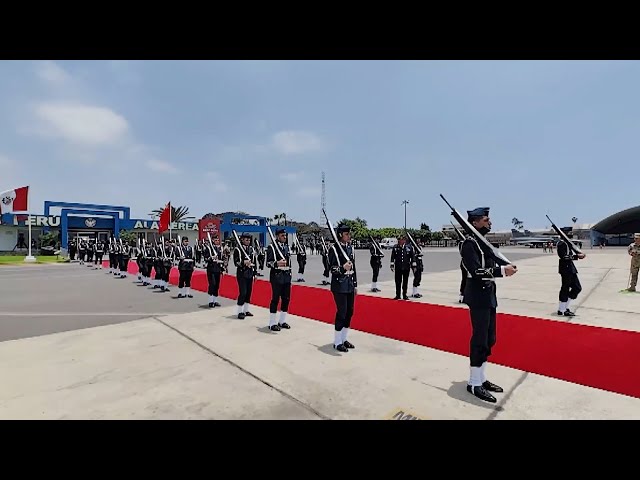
(235, 237)
(212, 249)
(564, 237)
(375, 244)
(275, 247)
(470, 229)
(413, 242)
(335, 239)
(298, 245)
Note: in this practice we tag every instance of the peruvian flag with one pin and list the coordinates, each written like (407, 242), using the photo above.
(165, 218)
(14, 200)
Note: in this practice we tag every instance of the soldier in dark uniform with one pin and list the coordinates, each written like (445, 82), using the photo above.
(417, 267)
(98, 254)
(344, 285)
(480, 296)
(158, 265)
(73, 248)
(125, 255)
(245, 263)
(401, 260)
(118, 258)
(301, 257)
(186, 266)
(261, 257)
(112, 256)
(376, 265)
(324, 253)
(90, 247)
(570, 287)
(140, 257)
(167, 263)
(198, 249)
(82, 251)
(280, 278)
(213, 257)
(149, 261)
(463, 281)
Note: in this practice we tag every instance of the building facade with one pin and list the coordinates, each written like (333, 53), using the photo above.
(93, 221)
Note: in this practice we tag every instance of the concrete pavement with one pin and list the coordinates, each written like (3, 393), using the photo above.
(173, 359)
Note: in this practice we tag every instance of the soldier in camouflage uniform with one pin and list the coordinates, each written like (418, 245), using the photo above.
(634, 251)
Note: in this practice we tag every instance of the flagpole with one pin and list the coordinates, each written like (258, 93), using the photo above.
(30, 258)
(170, 237)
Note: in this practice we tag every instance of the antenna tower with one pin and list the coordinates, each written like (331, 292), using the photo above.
(323, 202)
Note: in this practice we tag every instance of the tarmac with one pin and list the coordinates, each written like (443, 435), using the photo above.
(78, 343)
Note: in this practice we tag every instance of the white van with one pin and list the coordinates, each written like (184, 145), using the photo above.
(388, 243)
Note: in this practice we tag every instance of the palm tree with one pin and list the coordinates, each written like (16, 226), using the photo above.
(279, 216)
(178, 214)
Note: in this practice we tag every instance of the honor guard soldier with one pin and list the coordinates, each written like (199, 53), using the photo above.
(118, 258)
(168, 256)
(401, 260)
(570, 287)
(158, 264)
(197, 250)
(344, 284)
(140, 256)
(376, 264)
(463, 281)
(301, 257)
(417, 266)
(323, 249)
(279, 261)
(73, 248)
(125, 255)
(634, 251)
(480, 296)
(82, 251)
(261, 257)
(244, 260)
(149, 261)
(186, 265)
(98, 254)
(213, 257)
(90, 251)
(112, 256)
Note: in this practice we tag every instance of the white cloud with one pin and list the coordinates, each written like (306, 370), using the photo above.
(291, 177)
(309, 192)
(160, 166)
(52, 73)
(293, 142)
(82, 124)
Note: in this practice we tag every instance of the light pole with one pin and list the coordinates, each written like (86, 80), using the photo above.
(405, 202)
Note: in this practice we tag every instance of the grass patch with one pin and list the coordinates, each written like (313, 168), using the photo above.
(19, 259)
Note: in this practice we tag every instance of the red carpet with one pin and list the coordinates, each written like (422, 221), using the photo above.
(598, 357)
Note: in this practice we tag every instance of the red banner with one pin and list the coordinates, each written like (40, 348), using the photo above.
(211, 226)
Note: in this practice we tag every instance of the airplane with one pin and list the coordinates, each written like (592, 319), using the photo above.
(520, 238)
(529, 240)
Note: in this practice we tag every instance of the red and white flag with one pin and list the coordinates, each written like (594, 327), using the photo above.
(14, 200)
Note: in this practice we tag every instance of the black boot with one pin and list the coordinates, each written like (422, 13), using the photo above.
(481, 393)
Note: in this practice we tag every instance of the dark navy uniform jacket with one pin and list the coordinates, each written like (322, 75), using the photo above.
(565, 264)
(341, 280)
(402, 257)
(481, 268)
(279, 275)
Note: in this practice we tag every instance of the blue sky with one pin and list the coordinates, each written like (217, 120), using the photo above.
(525, 138)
